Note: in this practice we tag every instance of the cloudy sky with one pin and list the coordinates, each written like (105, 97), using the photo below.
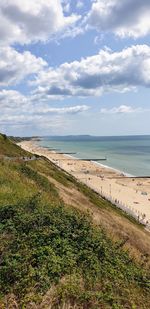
(74, 67)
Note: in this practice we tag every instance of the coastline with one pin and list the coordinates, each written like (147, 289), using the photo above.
(96, 163)
(114, 169)
(130, 194)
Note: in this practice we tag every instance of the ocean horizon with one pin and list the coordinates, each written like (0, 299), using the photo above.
(128, 154)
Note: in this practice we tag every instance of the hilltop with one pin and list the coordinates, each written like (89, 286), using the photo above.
(61, 245)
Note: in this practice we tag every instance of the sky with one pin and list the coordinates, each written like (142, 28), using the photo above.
(70, 67)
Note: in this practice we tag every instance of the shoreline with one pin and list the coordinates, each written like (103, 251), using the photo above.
(96, 163)
(126, 174)
(114, 169)
(129, 194)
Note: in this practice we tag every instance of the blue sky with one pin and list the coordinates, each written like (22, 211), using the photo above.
(74, 67)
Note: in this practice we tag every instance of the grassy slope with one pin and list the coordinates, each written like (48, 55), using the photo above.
(119, 225)
(48, 248)
(8, 148)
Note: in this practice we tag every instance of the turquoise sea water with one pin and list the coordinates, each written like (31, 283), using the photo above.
(130, 154)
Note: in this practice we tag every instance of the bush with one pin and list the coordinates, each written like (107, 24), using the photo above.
(44, 244)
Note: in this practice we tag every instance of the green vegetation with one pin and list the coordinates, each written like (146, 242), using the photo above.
(53, 255)
(8, 148)
(44, 167)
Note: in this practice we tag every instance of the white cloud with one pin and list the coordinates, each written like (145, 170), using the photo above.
(105, 72)
(20, 111)
(122, 109)
(80, 4)
(98, 39)
(63, 110)
(67, 8)
(124, 18)
(16, 66)
(32, 21)
(25, 125)
(11, 100)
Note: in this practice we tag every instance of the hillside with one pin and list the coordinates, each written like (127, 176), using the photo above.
(9, 148)
(61, 245)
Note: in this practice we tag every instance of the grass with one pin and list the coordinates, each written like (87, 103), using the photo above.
(8, 148)
(49, 169)
(51, 255)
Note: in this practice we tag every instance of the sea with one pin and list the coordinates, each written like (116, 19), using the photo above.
(128, 154)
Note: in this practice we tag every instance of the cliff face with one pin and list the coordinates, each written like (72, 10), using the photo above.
(52, 255)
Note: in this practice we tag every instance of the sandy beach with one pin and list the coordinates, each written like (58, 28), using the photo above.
(128, 193)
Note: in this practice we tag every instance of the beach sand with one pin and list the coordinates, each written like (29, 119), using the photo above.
(128, 193)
